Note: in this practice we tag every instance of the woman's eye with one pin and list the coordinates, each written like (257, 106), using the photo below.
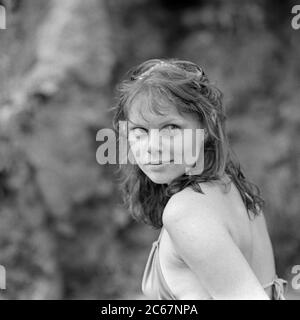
(138, 131)
(170, 129)
(173, 127)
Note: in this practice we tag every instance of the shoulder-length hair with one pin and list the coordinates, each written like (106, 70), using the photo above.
(187, 87)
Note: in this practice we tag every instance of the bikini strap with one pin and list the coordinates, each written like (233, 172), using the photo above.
(156, 242)
(279, 286)
(270, 283)
(160, 234)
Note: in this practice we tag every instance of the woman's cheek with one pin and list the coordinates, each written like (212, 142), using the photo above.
(194, 155)
(138, 146)
(167, 149)
(177, 149)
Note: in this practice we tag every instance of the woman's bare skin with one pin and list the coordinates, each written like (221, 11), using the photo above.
(210, 247)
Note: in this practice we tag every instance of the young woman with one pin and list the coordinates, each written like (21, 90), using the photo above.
(213, 242)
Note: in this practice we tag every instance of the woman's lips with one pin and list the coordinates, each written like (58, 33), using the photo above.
(158, 163)
(158, 166)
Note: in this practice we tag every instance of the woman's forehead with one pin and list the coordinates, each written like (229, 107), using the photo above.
(142, 109)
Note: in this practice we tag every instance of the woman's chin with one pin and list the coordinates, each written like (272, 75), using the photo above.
(162, 174)
(159, 178)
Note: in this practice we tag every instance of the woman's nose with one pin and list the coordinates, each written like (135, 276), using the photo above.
(154, 142)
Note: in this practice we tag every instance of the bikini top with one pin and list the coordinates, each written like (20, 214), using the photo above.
(154, 280)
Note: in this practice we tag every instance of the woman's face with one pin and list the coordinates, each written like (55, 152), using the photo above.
(163, 146)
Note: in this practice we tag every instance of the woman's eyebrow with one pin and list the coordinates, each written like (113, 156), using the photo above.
(160, 124)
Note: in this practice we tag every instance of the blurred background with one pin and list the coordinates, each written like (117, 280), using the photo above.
(63, 231)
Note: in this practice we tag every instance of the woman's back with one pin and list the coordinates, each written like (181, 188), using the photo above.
(250, 236)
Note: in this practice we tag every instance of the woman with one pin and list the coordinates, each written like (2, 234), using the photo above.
(213, 242)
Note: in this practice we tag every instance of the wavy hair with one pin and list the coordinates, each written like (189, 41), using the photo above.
(187, 87)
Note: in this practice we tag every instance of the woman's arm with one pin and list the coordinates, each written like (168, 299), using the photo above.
(208, 249)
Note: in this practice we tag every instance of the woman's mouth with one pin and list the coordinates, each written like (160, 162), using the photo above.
(158, 165)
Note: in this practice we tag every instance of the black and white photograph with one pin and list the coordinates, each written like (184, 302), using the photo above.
(149, 150)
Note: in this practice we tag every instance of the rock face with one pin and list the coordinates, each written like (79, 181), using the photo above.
(56, 202)
(63, 234)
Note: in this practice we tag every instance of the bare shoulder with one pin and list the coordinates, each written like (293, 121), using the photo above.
(203, 240)
(189, 205)
(195, 226)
